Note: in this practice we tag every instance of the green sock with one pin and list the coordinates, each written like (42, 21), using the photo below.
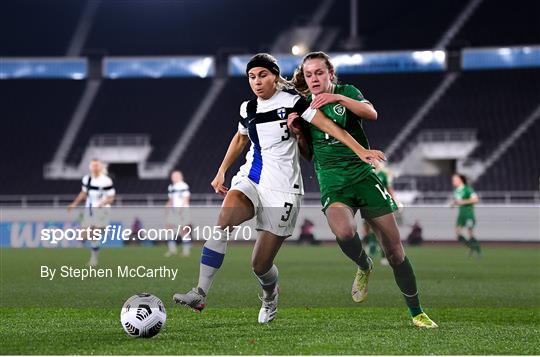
(406, 281)
(353, 249)
(464, 240)
(475, 245)
(372, 243)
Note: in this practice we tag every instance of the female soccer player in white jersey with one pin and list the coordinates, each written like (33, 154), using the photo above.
(268, 186)
(177, 213)
(98, 191)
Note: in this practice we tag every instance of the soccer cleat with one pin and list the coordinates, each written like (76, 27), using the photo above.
(385, 262)
(359, 290)
(422, 320)
(268, 309)
(194, 299)
(169, 254)
(92, 263)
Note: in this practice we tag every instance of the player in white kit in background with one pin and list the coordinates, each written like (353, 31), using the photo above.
(268, 186)
(98, 191)
(178, 214)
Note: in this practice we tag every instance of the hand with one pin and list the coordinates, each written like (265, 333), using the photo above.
(217, 184)
(368, 156)
(323, 99)
(293, 125)
(70, 207)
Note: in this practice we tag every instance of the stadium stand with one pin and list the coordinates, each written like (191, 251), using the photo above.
(159, 108)
(488, 26)
(519, 167)
(50, 31)
(35, 114)
(391, 25)
(122, 27)
(475, 101)
(478, 99)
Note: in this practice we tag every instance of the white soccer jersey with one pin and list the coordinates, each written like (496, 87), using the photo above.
(273, 159)
(97, 188)
(177, 193)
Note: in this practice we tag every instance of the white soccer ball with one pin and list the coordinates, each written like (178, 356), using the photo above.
(143, 315)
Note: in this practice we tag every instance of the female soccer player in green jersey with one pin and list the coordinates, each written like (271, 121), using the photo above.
(465, 198)
(348, 184)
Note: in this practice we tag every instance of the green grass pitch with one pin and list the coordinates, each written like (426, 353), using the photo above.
(487, 306)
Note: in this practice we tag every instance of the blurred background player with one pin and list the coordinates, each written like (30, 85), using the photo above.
(465, 198)
(348, 184)
(306, 233)
(268, 186)
(98, 191)
(415, 237)
(178, 215)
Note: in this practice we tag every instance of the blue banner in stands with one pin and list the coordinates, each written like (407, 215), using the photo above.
(353, 63)
(505, 57)
(158, 67)
(62, 68)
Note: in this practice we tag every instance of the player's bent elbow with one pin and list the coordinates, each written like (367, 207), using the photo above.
(373, 115)
(243, 140)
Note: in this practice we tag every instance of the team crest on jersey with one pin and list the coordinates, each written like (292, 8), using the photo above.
(339, 109)
(281, 112)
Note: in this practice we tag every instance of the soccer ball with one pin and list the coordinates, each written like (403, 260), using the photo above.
(143, 315)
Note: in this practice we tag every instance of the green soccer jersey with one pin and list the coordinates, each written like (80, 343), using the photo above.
(465, 192)
(336, 165)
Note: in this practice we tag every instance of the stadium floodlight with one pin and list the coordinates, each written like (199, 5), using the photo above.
(298, 49)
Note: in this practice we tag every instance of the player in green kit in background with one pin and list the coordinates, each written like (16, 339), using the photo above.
(465, 198)
(349, 184)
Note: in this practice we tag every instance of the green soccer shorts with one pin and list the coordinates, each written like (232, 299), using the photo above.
(369, 196)
(466, 220)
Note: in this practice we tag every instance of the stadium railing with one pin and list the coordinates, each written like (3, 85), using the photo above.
(310, 199)
(446, 135)
(120, 140)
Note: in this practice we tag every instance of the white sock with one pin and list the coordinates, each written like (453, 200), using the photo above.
(212, 256)
(172, 246)
(186, 244)
(268, 281)
(94, 252)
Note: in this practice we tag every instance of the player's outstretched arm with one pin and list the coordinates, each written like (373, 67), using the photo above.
(236, 146)
(296, 128)
(81, 196)
(303, 145)
(332, 129)
(363, 109)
